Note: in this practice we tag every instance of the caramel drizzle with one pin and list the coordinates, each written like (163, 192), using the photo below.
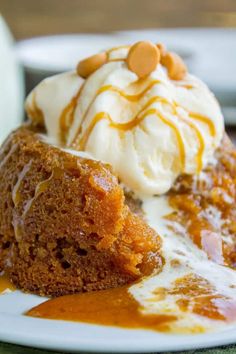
(191, 125)
(203, 119)
(15, 192)
(34, 112)
(115, 89)
(187, 122)
(136, 97)
(111, 50)
(126, 126)
(67, 116)
(40, 188)
(183, 85)
(188, 87)
(200, 152)
(132, 124)
(199, 136)
(131, 98)
(116, 59)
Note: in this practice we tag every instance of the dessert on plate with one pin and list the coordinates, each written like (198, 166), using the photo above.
(123, 180)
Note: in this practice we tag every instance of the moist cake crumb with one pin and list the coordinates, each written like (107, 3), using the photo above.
(64, 223)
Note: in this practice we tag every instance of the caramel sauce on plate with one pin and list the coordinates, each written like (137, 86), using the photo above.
(5, 284)
(200, 297)
(216, 191)
(115, 307)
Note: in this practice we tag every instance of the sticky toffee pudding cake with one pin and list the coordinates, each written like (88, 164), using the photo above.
(123, 174)
(206, 207)
(65, 225)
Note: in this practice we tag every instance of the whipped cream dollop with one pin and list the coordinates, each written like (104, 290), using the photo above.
(151, 130)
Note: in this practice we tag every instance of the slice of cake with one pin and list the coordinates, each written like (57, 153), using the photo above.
(64, 225)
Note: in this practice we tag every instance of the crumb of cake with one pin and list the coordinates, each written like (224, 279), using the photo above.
(64, 224)
(205, 206)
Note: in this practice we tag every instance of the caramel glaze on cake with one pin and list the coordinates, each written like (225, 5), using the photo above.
(205, 206)
(64, 223)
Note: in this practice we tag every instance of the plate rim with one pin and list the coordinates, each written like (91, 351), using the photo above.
(29, 332)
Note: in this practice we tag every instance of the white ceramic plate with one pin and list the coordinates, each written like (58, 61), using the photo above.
(75, 337)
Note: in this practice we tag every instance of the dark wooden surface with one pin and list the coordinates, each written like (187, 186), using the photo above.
(32, 18)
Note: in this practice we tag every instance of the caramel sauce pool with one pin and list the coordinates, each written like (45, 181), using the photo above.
(5, 284)
(115, 307)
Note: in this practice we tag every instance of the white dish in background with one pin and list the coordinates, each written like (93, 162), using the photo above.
(11, 84)
(77, 337)
(214, 50)
(47, 56)
(58, 53)
(61, 52)
(209, 53)
(214, 58)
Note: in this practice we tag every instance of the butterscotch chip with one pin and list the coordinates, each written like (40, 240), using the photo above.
(143, 58)
(162, 49)
(87, 66)
(174, 65)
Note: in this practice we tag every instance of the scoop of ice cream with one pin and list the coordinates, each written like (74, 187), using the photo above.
(150, 129)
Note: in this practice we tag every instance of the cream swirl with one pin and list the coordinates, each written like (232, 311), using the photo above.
(150, 130)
